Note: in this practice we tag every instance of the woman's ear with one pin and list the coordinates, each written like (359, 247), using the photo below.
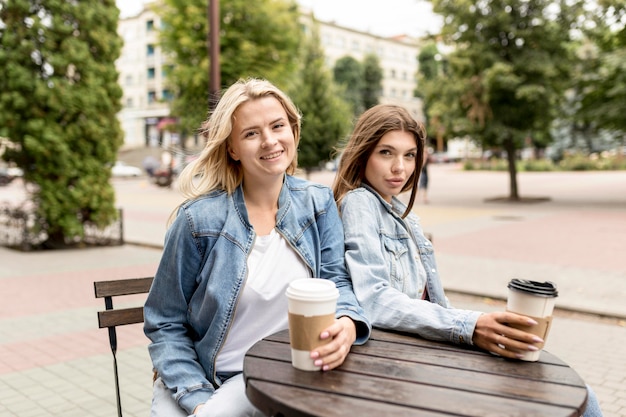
(232, 153)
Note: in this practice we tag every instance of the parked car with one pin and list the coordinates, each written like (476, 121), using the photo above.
(121, 169)
(439, 158)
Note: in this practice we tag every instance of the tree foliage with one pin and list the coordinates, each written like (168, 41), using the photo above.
(602, 83)
(59, 97)
(431, 69)
(372, 80)
(507, 73)
(348, 74)
(326, 116)
(258, 38)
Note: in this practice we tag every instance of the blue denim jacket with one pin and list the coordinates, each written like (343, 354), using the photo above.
(192, 302)
(382, 255)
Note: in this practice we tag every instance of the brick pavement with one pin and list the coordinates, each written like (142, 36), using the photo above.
(55, 362)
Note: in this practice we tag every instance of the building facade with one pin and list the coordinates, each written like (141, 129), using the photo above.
(397, 57)
(142, 69)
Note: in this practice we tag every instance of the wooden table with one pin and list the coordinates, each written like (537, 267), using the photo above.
(402, 375)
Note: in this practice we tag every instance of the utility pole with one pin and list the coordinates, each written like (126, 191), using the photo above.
(213, 43)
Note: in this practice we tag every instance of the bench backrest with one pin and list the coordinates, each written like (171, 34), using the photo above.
(108, 289)
(112, 317)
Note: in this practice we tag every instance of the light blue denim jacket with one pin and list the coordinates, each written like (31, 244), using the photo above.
(192, 302)
(382, 255)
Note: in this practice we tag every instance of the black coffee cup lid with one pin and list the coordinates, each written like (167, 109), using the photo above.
(545, 289)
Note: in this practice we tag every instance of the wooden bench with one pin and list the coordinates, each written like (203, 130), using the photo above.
(112, 317)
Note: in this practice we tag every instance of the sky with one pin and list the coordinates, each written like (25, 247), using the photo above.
(382, 18)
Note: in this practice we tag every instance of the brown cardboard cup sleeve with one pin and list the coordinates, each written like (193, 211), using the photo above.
(541, 329)
(304, 332)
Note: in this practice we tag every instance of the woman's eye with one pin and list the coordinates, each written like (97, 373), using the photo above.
(410, 155)
(385, 152)
(279, 125)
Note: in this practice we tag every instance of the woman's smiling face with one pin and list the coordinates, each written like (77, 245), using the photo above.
(262, 139)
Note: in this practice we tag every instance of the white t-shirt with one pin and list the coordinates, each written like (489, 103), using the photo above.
(262, 307)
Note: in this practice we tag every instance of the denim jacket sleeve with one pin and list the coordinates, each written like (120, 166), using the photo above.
(166, 318)
(333, 267)
(388, 307)
(312, 225)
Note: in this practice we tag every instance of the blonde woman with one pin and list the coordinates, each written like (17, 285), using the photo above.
(247, 228)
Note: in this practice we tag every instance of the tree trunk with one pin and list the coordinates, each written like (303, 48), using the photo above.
(509, 147)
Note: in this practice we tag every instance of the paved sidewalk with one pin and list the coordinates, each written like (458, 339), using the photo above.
(54, 361)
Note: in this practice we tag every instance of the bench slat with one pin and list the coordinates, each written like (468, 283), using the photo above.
(120, 317)
(122, 287)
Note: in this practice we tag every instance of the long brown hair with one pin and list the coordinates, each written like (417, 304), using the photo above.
(371, 126)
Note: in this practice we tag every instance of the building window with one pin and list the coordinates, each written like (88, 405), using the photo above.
(128, 80)
(151, 97)
(327, 40)
(393, 73)
(129, 102)
(150, 50)
(150, 25)
(167, 95)
(151, 73)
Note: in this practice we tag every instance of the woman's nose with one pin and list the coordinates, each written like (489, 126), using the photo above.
(398, 165)
(269, 140)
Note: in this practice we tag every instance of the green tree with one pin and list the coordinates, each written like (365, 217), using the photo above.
(429, 60)
(258, 38)
(508, 72)
(348, 73)
(372, 80)
(431, 64)
(59, 97)
(603, 84)
(326, 116)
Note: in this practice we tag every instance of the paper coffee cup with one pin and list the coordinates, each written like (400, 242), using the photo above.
(312, 303)
(535, 300)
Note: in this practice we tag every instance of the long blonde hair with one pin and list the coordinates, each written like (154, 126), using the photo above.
(371, 126)
(214, 169)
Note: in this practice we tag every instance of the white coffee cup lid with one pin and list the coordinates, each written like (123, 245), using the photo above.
(543, 289)
(312, 289)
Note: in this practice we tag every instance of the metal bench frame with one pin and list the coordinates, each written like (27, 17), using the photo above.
(112, 317)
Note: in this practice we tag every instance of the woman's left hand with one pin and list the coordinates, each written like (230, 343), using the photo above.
(332, 354)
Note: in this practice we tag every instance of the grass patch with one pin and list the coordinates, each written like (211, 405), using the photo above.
(573, 162)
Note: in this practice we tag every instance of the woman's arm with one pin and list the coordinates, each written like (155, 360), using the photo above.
(351, 326)
(386, 306)
(333, 267)
(166, 310)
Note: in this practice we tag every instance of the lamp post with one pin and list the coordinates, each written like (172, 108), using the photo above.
(213, 43)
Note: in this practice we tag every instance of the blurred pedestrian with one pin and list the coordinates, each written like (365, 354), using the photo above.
(422, 188)
(150, 165)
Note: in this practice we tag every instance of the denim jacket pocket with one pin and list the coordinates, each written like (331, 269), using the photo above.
(397, 253)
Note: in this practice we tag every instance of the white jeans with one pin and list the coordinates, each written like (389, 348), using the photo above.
(229, 400)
